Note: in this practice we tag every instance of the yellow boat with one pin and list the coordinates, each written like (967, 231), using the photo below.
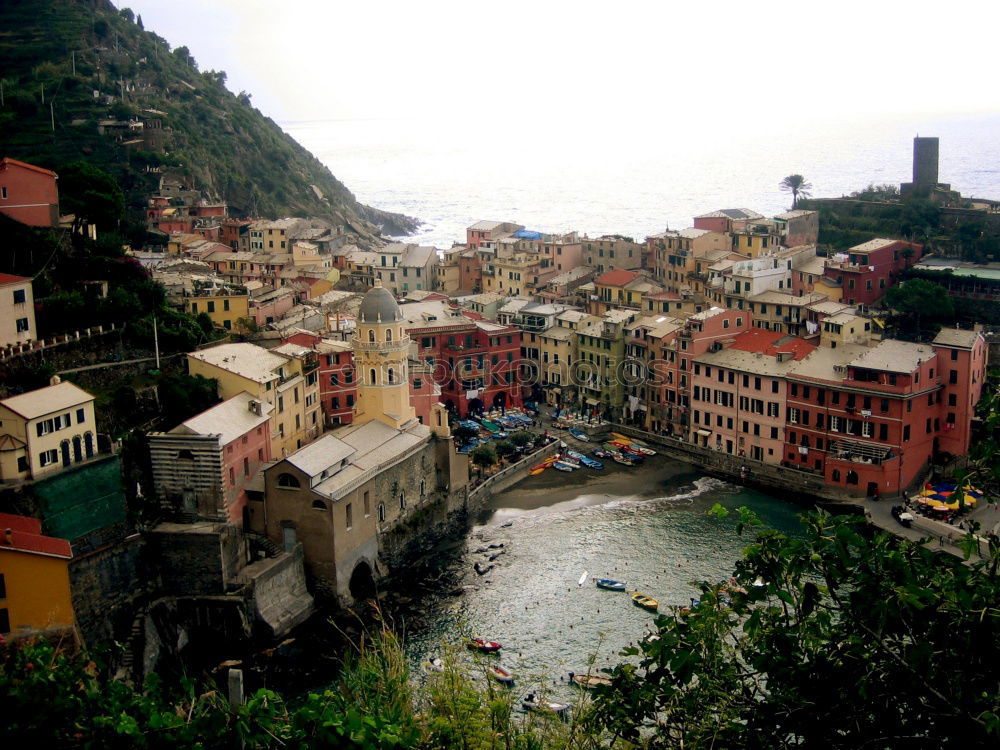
(646, 602)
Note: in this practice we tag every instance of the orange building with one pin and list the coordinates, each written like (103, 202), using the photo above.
(34, 579)
(28, 194)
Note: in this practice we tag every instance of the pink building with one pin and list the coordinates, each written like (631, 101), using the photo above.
(203, 465)
(869, 269)
(28, 194)
(738, 396)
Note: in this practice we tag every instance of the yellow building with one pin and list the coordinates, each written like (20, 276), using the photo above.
(45, 430)
(225, 308)
(556, 347)
(448, 274)
(760, 237)
(285, 377)
(34, 579)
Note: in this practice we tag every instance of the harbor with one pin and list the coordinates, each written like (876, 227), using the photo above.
(542, 545)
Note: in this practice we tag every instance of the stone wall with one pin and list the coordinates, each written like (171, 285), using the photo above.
(277, 587)
(508, 476)
(197, 559)
(108, 585)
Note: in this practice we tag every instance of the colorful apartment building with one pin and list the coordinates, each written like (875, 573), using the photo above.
(866, 271)
(46, 430)
(203, 465)
(287, 378)
(598, 369)
(28, 194)
(35, 594)
(475, 362)
(738, 394)
(621, 289)
(871, 419)
(612, 252)
(670, 255)
(17, 310)
(798, 227)
(226, 308)
(671, 364)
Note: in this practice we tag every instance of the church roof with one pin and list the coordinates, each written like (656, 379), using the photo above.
(379, 306)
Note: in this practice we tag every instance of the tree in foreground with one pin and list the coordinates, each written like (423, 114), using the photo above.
(848, 638)
(798, 186)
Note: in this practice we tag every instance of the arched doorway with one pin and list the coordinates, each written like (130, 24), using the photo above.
(500, 401)
(476, 406)
(64, 447)
(77, 449)
(362, 583)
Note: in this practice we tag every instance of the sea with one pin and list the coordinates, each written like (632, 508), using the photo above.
(559, 169)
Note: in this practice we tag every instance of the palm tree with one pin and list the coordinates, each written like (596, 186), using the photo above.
(798, 186)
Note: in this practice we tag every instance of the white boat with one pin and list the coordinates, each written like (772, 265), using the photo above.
(532, 702)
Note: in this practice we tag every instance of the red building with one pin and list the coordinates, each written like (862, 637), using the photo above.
(28, 194)
(475, 362)
(869, 269)
(671, 349)
(870, 419)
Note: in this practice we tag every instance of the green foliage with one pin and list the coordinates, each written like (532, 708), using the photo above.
(505, 448)
(918, 308)
(484, 455)
(464, 434)
(56, 698)
(883, 192)
(183, 396)
(91, 194)
(521, 438)
(845, 639)
(798, 186)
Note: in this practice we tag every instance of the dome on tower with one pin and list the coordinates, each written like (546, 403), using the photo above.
(379, 306)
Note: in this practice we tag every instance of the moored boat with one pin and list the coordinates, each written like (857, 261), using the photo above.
(501, 675)
(563, 466)
(610, 584)
(590, 681)
(646, 602)
(601, 453)
(487, 647)
(489, 425)
(618, 458)
(532, 702)
(579, 434)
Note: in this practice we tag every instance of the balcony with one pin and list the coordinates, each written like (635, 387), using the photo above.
(860, 452)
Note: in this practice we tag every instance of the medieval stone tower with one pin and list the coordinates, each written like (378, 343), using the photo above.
(380, 360)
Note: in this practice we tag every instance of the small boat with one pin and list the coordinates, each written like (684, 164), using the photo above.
(610, 584)
(583, 578)
(601, 453)
(536, 470)
(646, 602)
(590, 681)
(562, 466)
(434, 665)
(489, 425)
(501, 675)
(618, 458)
(579, 434)
(487, 647)
(532, 702)
(592, 463)
(569, 458)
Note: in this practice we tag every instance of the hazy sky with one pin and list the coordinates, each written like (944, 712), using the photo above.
(744, 63)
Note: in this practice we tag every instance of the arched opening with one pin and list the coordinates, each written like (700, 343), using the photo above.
(318, 505)
(476, 406)
(288, 480)
(835, 476)
(852, 477)
(500, 400)
(392, 375)
(64, 448)
(88, 444)
(371, 376)
(388, 334)
(371, 335)
(362, 585)
(402, 500)
(381, 512)
(185, 454)
(77, 448)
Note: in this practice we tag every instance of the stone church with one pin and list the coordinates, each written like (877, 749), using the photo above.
(362, 497)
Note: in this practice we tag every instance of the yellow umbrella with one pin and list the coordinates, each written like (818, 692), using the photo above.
(927, 493)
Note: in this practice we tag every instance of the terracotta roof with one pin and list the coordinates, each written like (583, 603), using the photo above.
(26, 536)
(7, 161)
(7, 278)
(616, 278)
(772, 342)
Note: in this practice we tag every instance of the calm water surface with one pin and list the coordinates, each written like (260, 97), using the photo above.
(646, 525)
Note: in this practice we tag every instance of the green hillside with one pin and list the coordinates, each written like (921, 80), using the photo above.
(66, 65)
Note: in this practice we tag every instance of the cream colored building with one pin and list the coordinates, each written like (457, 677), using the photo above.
(17, 310)
(46, 430)
(286, 377)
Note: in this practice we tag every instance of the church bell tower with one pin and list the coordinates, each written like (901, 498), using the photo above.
(381, 347)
